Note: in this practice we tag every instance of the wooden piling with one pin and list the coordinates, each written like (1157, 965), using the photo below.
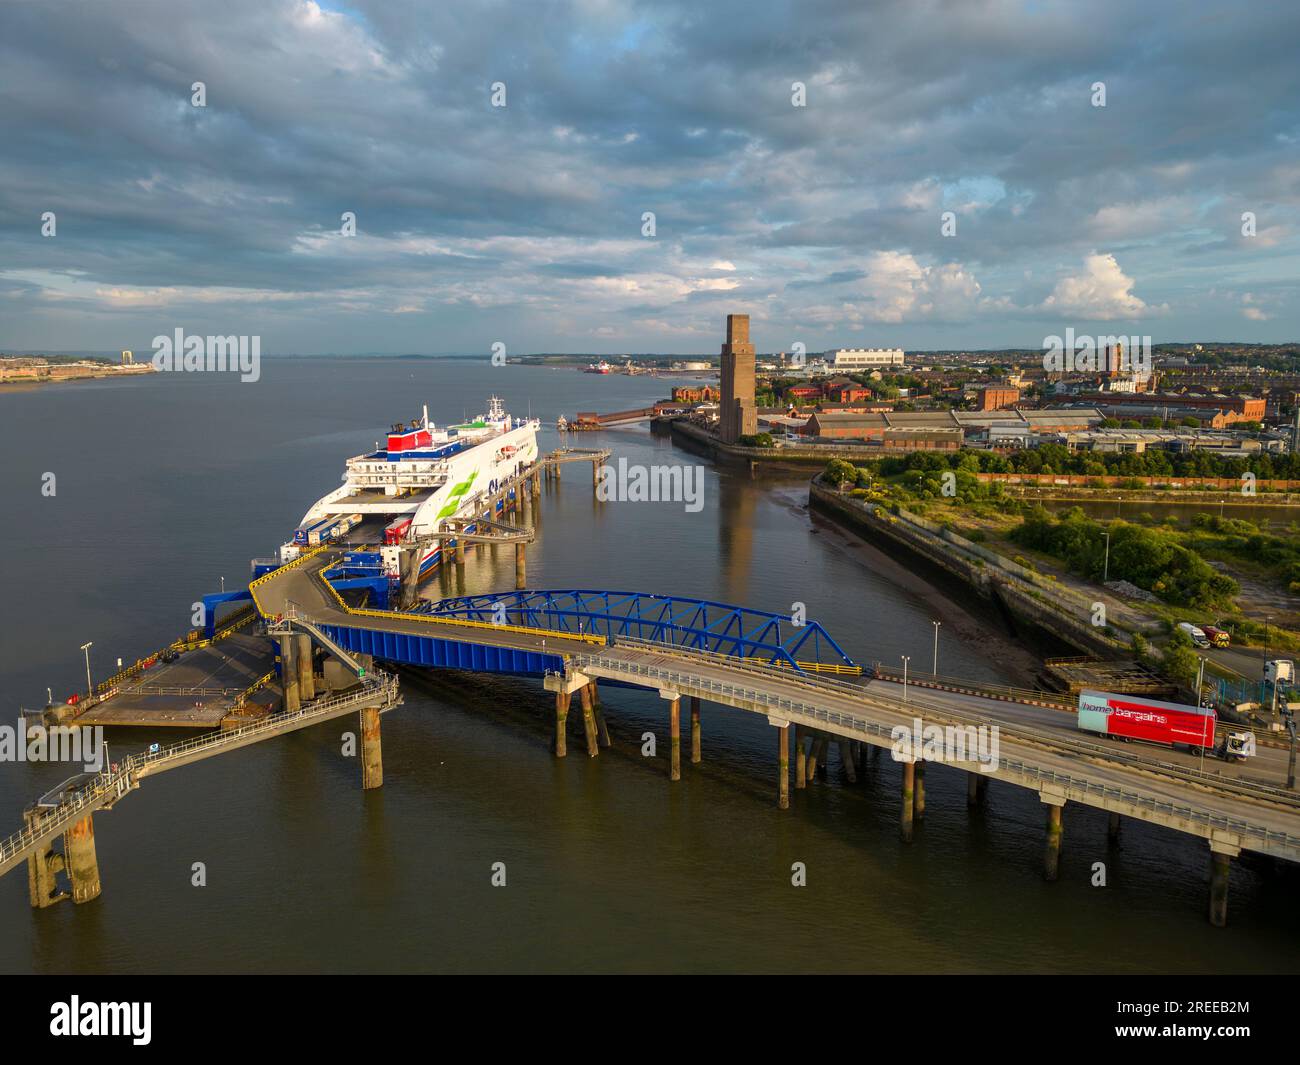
(1052, 862)
(561, 723)
(918, 800)
(800, 759)
(695, 730)
(1219, 867)
(588, 721)
(905, 817)
(602, 733)
(675, 725)
(783, 770)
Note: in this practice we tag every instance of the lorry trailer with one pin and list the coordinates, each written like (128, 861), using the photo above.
(1129, 717)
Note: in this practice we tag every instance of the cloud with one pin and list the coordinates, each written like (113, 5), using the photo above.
(1101, 291)
(816, 220)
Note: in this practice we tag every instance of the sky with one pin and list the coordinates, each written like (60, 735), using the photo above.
(818, 211)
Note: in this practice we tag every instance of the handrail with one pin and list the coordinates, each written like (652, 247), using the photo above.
(121, 778)
(1015, 765)
(1015, 729)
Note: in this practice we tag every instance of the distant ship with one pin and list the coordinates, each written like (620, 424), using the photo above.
(421, 477)
(599, 367)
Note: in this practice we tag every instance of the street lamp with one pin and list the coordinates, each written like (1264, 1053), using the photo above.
(905, 658)
(223, 585)
(1105, 571)
(90, 688)
(936, 625)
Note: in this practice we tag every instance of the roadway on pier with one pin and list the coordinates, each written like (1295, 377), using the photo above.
(303, 587)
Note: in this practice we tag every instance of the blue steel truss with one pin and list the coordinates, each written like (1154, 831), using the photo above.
(698, 624)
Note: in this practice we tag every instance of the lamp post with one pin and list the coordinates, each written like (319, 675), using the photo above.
(905, 661)
(936, 625)
(1105, 570)
(90, 688)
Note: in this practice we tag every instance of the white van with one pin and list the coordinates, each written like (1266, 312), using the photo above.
(1197, 635)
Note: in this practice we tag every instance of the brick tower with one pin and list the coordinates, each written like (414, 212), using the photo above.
(738, 416)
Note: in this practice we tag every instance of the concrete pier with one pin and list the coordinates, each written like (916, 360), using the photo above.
(521, 566)
(695, 730)
(561, 723)
(1052, 861)
(675, 726)
(1112, 831)
(602, 733)
(972, 788)
(800, 759)
(1220, 864)
(783, 766)
(905, 817)
(918, 799)
(42, 869)
(83, 865)
(823, 756)
(850, 762)
(289, 672)
(303, 661)
(588, 721)
(372, 752)
(810, 765)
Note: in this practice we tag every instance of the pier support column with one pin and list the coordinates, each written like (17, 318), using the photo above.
(800, 760)
(561, 723)
(905, 817)
(372, 751)
(409, 565)
(675, 731)
(850, 762)
(695, 730)
(823, 756)
(83, 865)
(810, 765)
(918, 799)
(289, 672)
(602, 733)
(972, 788)
(1112, 831)
(42, 867)
(306, 677)
(1221, 857)
(783, 766)
(521, 566)
(588, 721)
(1052, 859)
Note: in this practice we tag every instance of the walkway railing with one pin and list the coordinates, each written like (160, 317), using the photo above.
(858, 724)
(827, 686)
(120, 778)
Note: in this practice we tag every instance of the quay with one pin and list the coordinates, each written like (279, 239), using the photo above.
(727, 658)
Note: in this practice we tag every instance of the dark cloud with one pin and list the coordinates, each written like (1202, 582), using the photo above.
(823, 221)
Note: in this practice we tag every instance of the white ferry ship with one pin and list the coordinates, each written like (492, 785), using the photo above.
(412, 485)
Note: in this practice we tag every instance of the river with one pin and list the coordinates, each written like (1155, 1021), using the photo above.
(168, 484)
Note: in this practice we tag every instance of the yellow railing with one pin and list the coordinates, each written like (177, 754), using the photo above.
(427, 619)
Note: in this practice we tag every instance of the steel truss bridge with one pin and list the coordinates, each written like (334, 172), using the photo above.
(678, 621)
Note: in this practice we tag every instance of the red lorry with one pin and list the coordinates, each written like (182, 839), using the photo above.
(1133, 717)
(396, 530)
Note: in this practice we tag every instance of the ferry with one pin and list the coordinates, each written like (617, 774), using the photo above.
(419, 478)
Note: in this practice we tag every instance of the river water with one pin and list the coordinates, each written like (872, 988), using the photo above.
(165, 485)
